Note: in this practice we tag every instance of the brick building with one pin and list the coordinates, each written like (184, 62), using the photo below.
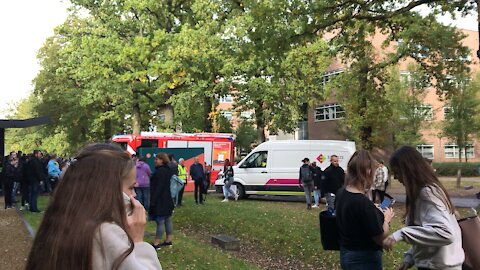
(323, 124)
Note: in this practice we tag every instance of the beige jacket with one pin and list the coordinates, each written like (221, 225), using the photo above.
(437, 240)
(114, 241)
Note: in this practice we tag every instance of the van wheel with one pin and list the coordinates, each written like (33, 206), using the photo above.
(241, 191)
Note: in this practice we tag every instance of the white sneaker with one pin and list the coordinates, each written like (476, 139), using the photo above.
(315, 206)
(236, 197)
(225, 200)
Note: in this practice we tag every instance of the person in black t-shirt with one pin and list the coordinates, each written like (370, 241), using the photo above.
(362, 226)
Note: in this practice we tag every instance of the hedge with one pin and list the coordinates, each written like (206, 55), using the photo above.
(451, 168)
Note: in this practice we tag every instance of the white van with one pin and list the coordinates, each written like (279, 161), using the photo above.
(272, 168)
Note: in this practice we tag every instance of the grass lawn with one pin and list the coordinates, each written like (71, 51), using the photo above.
(271, 232)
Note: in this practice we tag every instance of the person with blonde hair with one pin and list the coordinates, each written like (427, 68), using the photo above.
(362, 226)
(431, 226)
(86, 225)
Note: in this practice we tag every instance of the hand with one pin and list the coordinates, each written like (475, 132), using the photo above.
(388, 243)
(402, 266)
(388, 214)
(136, 221)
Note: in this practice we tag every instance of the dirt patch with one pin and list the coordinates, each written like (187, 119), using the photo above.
(253, 254)
(15, 241)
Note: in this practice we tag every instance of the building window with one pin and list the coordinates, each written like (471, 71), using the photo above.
(425, 111)
(226, 99)
(331, 74)
(228, 115)
(452, 151)
(426, 150)
(246, 115)
(329, 112)
(446, 111)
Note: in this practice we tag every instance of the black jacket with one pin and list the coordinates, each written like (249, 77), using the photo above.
(161, 203)
(12, 173)
(35, 171)
(334, 179)
(317, 177)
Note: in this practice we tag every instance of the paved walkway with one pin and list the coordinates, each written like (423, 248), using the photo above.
(457, 201)
(15, 241)
(461, 202)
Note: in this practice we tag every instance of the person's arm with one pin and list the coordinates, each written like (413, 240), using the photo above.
(149, 171)
(387, 217)
(435, 229)
(114, 241)
(300, 176)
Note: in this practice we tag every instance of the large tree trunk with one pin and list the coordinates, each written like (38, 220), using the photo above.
(107, 129)
(260, 123)
(136, 114)
(209, 108)
(365, 129)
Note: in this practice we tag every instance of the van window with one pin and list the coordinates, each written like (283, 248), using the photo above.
(257, 160)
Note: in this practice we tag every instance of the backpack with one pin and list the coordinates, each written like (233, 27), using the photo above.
(176, 184)
(306, 174)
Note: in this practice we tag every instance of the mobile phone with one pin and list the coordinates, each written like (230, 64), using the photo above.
(387, 202)
(128, 204)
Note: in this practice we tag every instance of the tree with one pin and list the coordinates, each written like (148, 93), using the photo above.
(361, 89)
(405, 96)
(267, 77)
(246, 135)
(461, 124)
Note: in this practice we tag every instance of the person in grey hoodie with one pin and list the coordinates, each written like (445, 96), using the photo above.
(431, 226)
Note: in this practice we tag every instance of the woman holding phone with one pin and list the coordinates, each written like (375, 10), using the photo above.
(431, 226)
(86, 225)
(362, 225)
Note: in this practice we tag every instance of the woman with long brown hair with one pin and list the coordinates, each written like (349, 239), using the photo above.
(362, 226)
(86, 224)
(431, 226)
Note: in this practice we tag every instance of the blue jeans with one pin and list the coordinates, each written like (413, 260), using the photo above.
(33, 196)
(142, 195)
(360, 259)
(317, 193)
(161, 222)
(227, 190)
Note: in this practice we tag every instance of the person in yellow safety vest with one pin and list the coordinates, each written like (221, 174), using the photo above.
(182, 174)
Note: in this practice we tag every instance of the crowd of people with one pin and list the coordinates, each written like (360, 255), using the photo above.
(101, 204)
(29, 175)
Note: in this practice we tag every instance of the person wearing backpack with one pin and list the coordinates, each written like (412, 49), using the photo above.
(305, 179)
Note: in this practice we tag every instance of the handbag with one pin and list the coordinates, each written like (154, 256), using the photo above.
(329, 234)
(470, 242)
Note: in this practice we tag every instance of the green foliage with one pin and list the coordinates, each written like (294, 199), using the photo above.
(462, 123)
(246, 135)
(451, 168)
(405, 96)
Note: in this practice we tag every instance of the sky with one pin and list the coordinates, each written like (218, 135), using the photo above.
(24, 27)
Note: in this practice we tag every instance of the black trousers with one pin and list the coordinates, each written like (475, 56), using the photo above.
(7, 190)
(199, 190)
(380, 193)
(180, 196)
(24, 190)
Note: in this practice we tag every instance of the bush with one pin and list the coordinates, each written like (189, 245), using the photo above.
(450, 168)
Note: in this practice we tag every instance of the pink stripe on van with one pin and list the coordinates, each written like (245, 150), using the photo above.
(282, 182)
